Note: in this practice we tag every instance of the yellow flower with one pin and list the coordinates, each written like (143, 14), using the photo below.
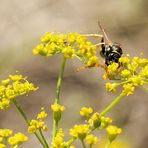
(144, 72)
(125, 73)
(17, 139)
(31, 129)
(17, 77)
(47, 37)
(86, 111)
(5, 133)
(92, 61)
(105, 121)
(91, 139)
(57, 107)
(95, 120)
(128, 89)
(79, 131)
(42, 115)
(38, 49)
(59, 139)
(5, 82)
(124, 60)
(137, 80)
(2, 145)
(113, 132)
(68, 52)
(111, 87)
(112, 68)
(4, 104)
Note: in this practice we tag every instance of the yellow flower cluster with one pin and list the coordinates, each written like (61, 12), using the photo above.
(15, 85)
(17, 139)
(131, 73)
(86, 111)
(58, 140)
(79, 131)
(91, 139)
(5, 133)
(57, 109)
(95, 121)
(70, 45)
(39, 123)
(113, 132)
(13, 141)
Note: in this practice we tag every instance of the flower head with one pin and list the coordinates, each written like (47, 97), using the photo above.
(128, 89)
(79, 131)
(17, 139)
(91, 139)
(86, 111)
(113, 132)
(5, 133)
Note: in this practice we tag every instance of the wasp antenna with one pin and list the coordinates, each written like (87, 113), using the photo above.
(104, 33)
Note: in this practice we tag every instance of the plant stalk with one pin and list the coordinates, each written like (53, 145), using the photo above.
(58, 90)
(23, 114)
(110, 106)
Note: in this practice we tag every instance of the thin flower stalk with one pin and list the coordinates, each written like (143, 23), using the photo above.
(58, 89)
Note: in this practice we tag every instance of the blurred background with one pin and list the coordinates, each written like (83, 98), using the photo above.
(23, 22)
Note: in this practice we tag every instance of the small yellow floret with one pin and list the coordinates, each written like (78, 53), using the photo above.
(17, 139)
(128, 89)
(91, 139)
(57, 107)
(5, 133)
(86, 111)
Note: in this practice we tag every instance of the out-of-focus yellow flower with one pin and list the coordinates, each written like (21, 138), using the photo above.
(42, 115)
(39, 123)
(79, 131)
(112, 68)
(144, 72)
(125, 73)
(86, 111)
(68, 52)
(91, 139)
(124, 60)
(136, 80)
(57, 107)
(2, 145)
(113, 132)
(95, 120)
(15, 85)
(105, 121)
(92, 61)
(58, 140)
(17, 139)
(111, 87)
(4, 104)
(5, 133)
(128, 89)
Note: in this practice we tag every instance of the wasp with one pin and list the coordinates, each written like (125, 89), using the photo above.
(110, 51)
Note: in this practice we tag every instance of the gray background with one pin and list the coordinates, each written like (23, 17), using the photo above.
(23, 22)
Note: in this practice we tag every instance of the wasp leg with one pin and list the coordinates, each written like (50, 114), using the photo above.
(93, 35)
(81, 68)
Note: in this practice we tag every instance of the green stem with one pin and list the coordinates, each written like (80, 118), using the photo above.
(71, 141)
(110, 106)
(90, 146)
(83, 144)
(19, 108)
(43, 138)
(108, 144)
(58, 89)
(59, 83)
